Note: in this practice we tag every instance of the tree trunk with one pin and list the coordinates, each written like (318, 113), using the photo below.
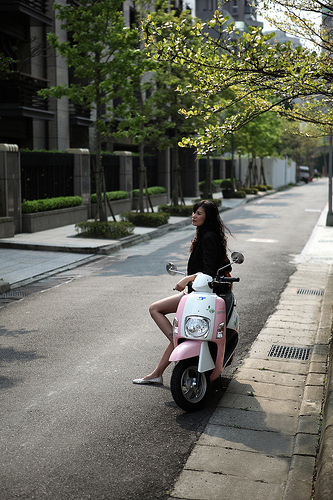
(262, 176)
(175, 176)
(255, 171)
(142, 176)
(207, 193)
(248, 177)
(99, 173)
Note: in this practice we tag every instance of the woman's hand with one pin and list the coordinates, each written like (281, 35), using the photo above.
(182, 284)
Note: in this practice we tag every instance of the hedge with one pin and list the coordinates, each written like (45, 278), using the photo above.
(239, 194)
(151, 191)
(111, 195)
(215, 182)
(33, 206)
(146, 219)
(177, 210)
(110, 230)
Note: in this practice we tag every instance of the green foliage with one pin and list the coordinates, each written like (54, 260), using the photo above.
(110, 230)
(260, 188)
(50, 204)
(111, 195)
(154, 190)
(239, 194)
(26, 150)
(227, 184)
(214, 184)
(176, 210)
(269, 187)
(246, 74)
(216, 201)
(147, 219)
(250, 190)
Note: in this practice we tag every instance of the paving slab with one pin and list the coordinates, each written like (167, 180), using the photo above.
(261, 441)
(193, 485)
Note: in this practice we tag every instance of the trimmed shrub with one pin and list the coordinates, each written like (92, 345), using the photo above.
(151, 191)
(111, 195)
(214, 184)
(108, 230)
(216, 201)
(269, 187)
(239, 194)
(177, 210)
(250, 190)
(33, 206)
(261, 187)
(227, 184)
(146, 219)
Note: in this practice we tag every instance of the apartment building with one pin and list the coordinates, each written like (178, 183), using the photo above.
(241, 12)
(27, 119)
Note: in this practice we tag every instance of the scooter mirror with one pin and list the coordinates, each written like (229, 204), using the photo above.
(237, 258)
(172, 269)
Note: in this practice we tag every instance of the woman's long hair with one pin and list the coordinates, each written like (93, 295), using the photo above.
(214, 223)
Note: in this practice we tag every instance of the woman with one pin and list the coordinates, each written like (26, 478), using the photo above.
(208, 254)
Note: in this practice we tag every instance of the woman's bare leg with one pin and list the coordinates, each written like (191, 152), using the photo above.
(158, 310)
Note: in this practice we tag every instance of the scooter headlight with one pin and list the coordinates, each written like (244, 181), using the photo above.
(196, 327)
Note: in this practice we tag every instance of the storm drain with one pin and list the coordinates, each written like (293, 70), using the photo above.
(14, 295)
(304, 291)
(288, 352)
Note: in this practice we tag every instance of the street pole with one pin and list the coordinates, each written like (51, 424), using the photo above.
(329, 219)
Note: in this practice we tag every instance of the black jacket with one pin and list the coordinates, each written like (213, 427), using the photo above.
(206, 256)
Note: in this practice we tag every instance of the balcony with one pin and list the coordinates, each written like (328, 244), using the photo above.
(19, 98)
(36, 9)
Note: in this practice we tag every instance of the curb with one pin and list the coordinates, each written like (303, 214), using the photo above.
(324, 481)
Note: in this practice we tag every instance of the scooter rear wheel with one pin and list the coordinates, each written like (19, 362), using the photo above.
(184, 389)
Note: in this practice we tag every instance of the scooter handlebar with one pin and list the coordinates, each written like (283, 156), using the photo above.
(226, 279)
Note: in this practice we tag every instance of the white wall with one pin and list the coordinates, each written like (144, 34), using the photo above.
(278, 172)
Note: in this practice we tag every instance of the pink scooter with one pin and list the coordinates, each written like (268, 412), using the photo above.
(205, 330)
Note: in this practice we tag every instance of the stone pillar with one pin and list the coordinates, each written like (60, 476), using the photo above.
(10, 184)
(125, 171)
(82, 175)
(164, 168)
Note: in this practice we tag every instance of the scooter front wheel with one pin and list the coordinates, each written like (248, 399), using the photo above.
(186, 391)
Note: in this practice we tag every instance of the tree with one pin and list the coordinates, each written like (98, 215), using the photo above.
(167, 100)
(261, 76)
(259, 138)
(102, 52)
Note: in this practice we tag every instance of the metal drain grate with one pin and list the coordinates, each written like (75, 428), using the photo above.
(287, 352)
(304, 291)
(13, 295)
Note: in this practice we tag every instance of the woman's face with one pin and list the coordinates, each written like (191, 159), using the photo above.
(198, 217)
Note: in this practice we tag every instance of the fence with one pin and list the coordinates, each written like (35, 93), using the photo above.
(46, 175)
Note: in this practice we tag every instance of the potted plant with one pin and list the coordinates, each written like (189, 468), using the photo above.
(227, 188)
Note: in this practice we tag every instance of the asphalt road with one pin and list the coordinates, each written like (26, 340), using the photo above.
(73, 426)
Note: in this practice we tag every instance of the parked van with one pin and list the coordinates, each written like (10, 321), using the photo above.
(304, 174)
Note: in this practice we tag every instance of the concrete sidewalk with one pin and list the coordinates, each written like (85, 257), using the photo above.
(60, 249)
(262, 440)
